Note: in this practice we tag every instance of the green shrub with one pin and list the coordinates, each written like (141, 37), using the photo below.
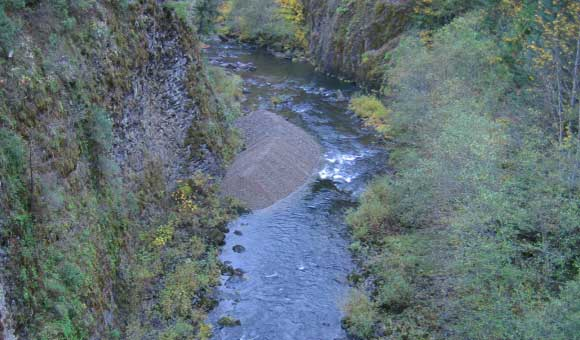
(361, 315)
(14, 4)
(183, 285)
(69, 24)
(180, 331)
(483, 190)
(373, 218)
(265, 22)
(436, 13)
(85, 254)
(395, 293)
(561, 318)
(8, 31)
(183, 9)
(228, 321)
(12, 167)
(199, 14)
(99, 141)
(374, 113)
(228, 88)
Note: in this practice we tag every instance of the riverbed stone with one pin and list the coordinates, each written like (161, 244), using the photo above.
(217, 237)
(228, 321)
(227, 270)
(239, 248)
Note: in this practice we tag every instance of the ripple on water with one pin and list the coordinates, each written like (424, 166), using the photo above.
(297, 261)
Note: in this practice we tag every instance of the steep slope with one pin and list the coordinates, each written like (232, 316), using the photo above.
(350, 38)
(109, 130)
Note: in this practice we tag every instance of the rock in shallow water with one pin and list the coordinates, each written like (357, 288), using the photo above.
(238, 248)
(228, 321)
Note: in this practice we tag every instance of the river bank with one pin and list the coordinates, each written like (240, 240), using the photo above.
(290, 262)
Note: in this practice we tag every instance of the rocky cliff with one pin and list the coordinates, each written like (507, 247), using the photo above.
(350, 38)
(109, 129)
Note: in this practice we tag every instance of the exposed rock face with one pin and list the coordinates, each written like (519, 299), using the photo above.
(139, 70)
(351, 39)
(279, 158)
(160, 110)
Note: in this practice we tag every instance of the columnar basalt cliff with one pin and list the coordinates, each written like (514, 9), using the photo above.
(350, 38)
(163, 106)
(109, 132)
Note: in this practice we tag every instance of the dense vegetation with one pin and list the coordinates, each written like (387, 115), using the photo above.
(96, 251)
(477, 233)
(274, 23)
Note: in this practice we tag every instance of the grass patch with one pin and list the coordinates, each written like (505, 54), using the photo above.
(373, 112)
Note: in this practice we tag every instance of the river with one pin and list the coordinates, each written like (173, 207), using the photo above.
(297, 260)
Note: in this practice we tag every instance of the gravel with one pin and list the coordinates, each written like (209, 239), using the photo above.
(278, 159)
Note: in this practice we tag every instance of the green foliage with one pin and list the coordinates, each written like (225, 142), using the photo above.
(88, 246)
(213, 131)
(59, 288)
(481, 202)
(8, 31)
(183, 285)
(99, 137)
(12, 165)
(561, 317)
(268, 22)
(228, 321)
(14, 4)
(180, 331)
(395, 293)
(373, 112)
(199, 14)
(229, 88)
(179, 263)
(437, 13)
(373, 218)
(361, 316)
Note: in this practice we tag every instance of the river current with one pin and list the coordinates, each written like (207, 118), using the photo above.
(296, 259)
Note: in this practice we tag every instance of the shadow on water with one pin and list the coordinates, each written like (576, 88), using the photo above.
(296, 257)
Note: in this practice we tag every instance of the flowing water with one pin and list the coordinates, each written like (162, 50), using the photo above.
(297, 260)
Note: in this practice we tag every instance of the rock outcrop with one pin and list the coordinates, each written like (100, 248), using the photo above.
(279, 158)
(350, 38)
(103, 104)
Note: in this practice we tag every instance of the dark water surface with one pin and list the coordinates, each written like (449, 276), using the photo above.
(297, 260)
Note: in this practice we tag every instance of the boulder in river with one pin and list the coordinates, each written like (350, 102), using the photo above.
(279, 158)
(228, 321)
(238, 248)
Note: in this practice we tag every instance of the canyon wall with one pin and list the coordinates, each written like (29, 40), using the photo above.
(350, 38)
(106, 108)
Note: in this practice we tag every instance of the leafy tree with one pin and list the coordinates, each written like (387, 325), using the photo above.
(266, 21)
(479, 172)
(557, 58)
(206, 11)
